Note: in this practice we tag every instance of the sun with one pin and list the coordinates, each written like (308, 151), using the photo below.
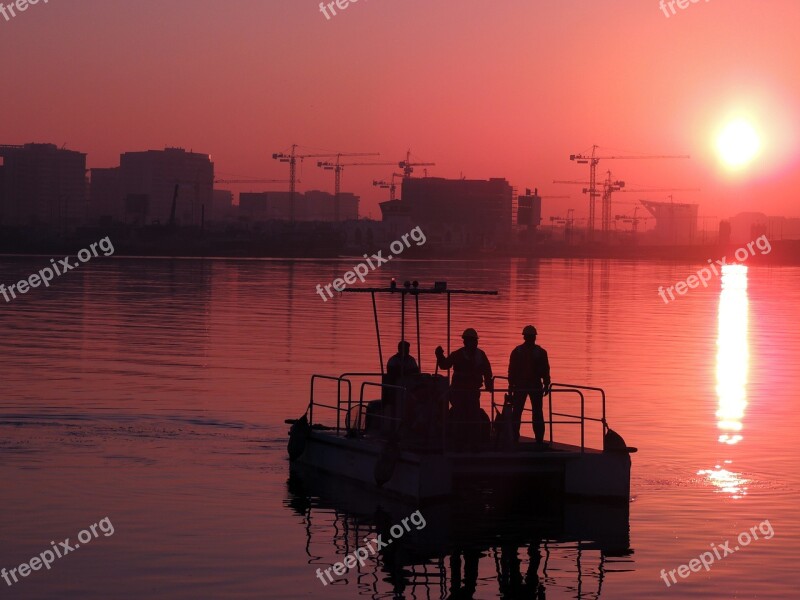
(738, 143)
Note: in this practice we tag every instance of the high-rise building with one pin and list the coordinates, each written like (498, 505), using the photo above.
(148, 181)
(470, 212)
(42, 185)
(529, 209)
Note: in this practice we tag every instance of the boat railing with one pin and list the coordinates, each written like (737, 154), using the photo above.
(557, 417)
(345, 402)
(338, 408)
(401, 394)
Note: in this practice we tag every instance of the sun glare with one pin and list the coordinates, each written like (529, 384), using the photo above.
(738, 144)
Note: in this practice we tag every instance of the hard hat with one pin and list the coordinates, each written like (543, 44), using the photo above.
(528, 330)
(470, 333)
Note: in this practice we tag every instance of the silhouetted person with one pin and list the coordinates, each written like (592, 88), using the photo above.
(469, 426)
(401, 363)
(470, 367)
(529, 375)
(398, 366)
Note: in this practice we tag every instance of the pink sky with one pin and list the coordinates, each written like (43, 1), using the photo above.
(485, 89)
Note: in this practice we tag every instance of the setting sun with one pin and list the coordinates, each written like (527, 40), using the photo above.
(738, 143)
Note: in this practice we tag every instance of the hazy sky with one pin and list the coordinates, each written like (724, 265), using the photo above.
(507, 88)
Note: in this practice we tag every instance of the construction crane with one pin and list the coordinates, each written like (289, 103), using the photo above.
(408, 166)
(568, 222)
(391, 186)
(291, 159)
(592, 160)
(338, 167)
(609, 187)
(648, 190)
(633, 220)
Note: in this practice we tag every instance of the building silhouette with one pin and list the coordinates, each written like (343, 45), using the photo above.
(676, 222)
(148, 180)
(42, 185)
(456, 212)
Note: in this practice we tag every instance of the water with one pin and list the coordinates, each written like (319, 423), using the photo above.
(153, 392)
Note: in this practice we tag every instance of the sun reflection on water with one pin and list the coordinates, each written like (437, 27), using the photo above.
(732, 368)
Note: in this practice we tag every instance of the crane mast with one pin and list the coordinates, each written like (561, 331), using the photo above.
(592, 160)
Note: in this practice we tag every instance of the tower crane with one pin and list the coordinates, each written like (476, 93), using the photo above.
(633, 220)
(592, 160)
(408, 166)
(291, 159)
(609, 187)
(386, 185)
(338, 167)
(568, 222)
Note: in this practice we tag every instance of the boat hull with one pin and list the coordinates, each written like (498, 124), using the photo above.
(428, 476)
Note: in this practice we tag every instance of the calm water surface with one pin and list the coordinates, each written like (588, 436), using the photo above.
(153, 392)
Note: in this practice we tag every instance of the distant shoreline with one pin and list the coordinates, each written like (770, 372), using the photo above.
(783, 252)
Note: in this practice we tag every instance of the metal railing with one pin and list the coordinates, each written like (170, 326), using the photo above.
(557, 388)
(358, 423)
(345, 404)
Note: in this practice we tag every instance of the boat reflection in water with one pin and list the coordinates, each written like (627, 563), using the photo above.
(520, 547)
(732, 368)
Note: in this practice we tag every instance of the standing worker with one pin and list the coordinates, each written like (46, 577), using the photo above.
(470, 367)
(529, 375)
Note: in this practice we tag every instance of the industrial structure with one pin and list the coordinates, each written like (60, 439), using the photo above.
(676, 222)
(609, 186)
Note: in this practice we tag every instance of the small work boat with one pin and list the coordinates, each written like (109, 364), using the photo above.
(402, 438)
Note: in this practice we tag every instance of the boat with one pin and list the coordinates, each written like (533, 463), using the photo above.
(401, 439)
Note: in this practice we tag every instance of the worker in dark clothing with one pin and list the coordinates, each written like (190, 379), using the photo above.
(398, 366)
(529, 375)
(470, 367)
(401, 363)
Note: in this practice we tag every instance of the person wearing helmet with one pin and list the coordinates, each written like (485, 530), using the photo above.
(471, 367)
(529, 375)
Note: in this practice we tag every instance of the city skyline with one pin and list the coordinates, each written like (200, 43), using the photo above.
(472, 102)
